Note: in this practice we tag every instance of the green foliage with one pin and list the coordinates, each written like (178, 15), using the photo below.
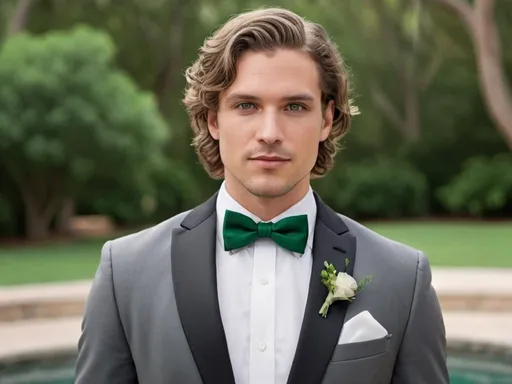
(71, 122)
(484, 186)
(374, 189)
(173, 190)
(329, 275)
(63, 105)
(177, 190)
(69, 118)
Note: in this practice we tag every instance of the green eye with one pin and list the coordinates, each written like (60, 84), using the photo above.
(295, 107)
(245, 106)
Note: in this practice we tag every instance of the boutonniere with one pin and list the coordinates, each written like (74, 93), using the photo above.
(341, 286)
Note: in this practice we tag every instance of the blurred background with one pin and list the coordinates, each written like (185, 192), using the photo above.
(95, 143)
(94, 139)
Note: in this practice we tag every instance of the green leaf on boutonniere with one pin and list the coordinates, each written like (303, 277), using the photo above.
(340, 286)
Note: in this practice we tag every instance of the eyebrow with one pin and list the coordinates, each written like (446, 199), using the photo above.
(296, 97)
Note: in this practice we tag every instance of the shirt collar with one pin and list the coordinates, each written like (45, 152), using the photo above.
(306, 206)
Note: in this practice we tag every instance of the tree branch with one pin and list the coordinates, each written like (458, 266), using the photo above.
(493, 81)
(173, 61)
(463, 9)
(388, 26)
(431, 71)
(389, 110)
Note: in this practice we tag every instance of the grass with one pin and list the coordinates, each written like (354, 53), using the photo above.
(49, 263)
(446, 244)
(455, 244)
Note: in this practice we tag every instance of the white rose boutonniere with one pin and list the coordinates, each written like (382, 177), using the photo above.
(340, 286)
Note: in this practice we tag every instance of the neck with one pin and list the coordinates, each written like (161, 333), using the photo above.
(266, 208)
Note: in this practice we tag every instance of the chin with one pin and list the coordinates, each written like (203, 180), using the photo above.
(268, 187)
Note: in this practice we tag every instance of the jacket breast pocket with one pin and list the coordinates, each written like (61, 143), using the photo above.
(360, 350)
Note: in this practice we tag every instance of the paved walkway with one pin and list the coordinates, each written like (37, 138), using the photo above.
(479, 327)
(473, 281)
(39, 336)
(44, 292)
(463, 281)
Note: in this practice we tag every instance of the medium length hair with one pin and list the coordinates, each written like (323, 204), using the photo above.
(265, 29)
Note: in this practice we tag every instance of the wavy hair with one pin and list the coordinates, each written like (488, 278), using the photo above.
(264, 29)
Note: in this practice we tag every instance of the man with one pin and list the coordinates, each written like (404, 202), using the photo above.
(219, 295)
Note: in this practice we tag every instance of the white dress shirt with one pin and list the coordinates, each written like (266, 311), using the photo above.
(262, 291)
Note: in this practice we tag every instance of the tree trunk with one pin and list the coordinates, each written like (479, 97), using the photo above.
(407, 117)
(64, 216)
(20, 17)
(492, 74)
(39, 211)
(36, 225)
(411, 82)
(173, 63)
(412, 119)
(480, 22)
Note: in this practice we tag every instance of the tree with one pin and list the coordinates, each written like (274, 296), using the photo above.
(404, 61)
(20, 16)
(69, 117)
(482, 27)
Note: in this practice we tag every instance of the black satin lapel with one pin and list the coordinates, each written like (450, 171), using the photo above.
(319, 336)
(195, 287)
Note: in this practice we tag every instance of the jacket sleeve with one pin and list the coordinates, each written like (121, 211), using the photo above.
(422, 355)
(104, 355)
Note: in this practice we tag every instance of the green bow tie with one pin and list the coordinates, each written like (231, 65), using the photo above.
(290, 233)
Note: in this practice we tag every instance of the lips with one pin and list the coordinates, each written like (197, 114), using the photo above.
(269, 158)
(269, 162)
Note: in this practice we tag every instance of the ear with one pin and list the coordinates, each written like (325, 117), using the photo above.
(212, 124)
(327, 121)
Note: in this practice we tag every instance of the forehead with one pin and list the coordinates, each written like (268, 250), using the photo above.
(276, 74)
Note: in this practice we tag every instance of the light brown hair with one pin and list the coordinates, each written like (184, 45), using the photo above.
(264, 29)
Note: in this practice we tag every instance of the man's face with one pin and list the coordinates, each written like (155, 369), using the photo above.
(270, 122)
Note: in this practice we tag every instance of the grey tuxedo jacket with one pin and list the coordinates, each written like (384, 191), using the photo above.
(152, 315)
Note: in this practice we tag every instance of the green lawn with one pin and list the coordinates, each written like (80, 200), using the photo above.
(447, 244)
(59, 262)
(456, 244)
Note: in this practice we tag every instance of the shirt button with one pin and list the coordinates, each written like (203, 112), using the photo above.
(262, 346)
(264, 281)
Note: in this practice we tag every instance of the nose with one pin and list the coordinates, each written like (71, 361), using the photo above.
(269, 130)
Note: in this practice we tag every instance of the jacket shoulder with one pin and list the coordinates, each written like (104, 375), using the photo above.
(147, 243)
(384, 251)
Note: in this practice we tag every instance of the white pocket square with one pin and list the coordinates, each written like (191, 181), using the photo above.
(362, 327)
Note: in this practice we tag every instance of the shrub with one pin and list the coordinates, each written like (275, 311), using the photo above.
(484, 186)
(377, 189)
